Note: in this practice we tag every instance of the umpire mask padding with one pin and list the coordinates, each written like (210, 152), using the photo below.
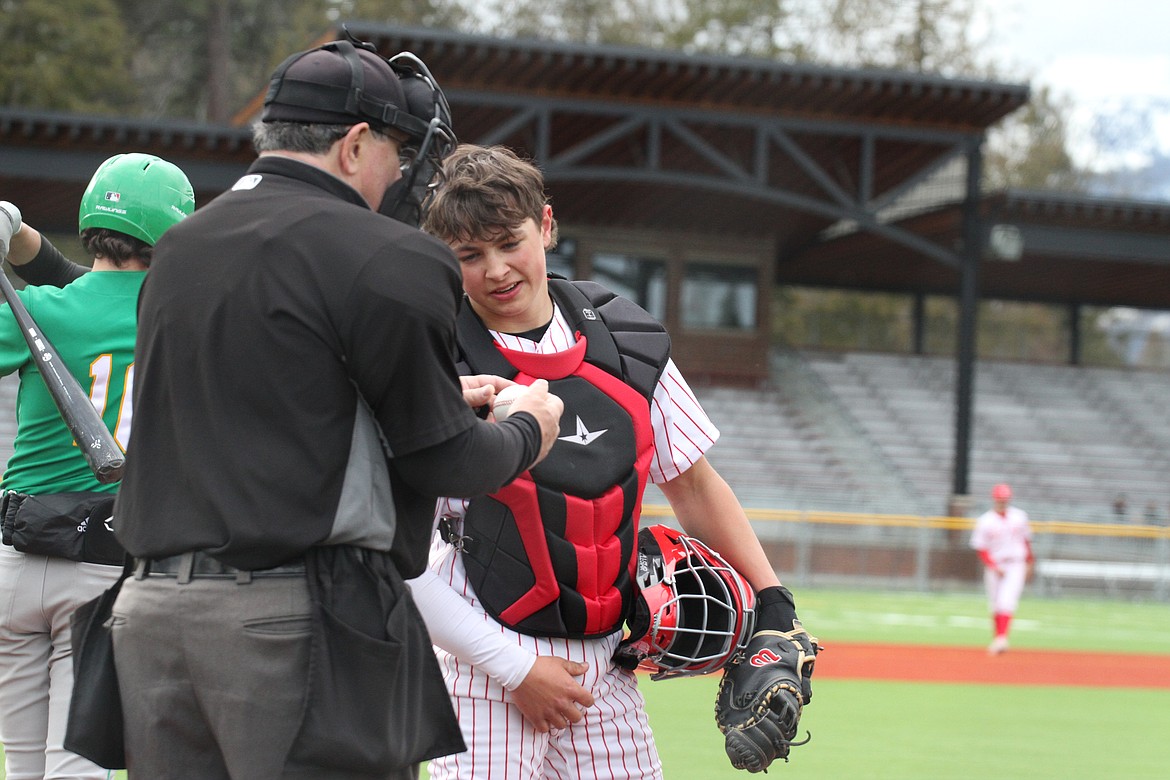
(406, 199)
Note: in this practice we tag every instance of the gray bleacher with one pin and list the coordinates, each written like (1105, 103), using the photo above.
(773, 458)
(1068, 438)
(793, 445)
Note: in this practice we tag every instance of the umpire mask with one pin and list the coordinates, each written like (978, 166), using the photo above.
(347, 81)
(406, 199)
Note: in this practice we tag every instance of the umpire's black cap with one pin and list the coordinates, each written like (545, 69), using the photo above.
(340, 83)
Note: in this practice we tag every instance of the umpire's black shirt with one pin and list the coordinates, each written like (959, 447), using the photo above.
(263, 316)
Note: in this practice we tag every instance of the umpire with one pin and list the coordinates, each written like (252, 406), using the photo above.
(297, 411)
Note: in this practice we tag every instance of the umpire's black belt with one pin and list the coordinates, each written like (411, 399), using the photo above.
(192, 565)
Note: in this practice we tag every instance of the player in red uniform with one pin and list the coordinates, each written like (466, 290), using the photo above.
(1003, 539)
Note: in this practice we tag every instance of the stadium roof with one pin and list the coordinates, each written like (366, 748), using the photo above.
(640, 138)
(1071, 249)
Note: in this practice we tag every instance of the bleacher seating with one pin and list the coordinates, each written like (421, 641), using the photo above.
(1069, 438)
(874, 432)
(791, 445)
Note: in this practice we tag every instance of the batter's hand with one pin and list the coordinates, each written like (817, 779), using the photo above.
(547, 409)
(10, 223)
(550, 697)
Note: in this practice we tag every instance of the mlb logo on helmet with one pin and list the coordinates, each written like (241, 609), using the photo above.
(114, 196)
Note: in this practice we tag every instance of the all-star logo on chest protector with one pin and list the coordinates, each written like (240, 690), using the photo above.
(583, 436)
(552, 553)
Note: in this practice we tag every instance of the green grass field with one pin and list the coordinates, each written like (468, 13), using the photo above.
(865, 730)
(873, 730)
(961, 619)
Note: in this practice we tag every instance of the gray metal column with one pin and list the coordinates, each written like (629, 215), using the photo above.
(972, 251)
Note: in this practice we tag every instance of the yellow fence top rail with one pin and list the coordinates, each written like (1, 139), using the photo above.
(923, 521)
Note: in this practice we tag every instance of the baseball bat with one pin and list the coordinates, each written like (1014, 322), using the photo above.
(97, 444)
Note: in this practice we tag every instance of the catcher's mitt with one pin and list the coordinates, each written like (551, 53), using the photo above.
(761, 695)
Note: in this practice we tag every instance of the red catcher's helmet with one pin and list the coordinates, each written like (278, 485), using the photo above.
(1002, 492)
(693, 612)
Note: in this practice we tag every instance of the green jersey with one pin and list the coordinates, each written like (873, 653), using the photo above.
(92, 322)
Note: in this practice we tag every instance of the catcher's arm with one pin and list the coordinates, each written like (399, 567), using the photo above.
(764, 690)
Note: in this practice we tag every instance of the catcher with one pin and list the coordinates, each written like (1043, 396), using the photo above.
(529, 587)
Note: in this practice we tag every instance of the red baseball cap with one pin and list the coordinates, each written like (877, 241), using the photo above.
(1001, 492)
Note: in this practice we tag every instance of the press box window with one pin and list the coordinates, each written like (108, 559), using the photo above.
(719, 297)
(641, 279)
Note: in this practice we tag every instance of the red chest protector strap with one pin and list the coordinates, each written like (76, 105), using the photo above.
(552, 553)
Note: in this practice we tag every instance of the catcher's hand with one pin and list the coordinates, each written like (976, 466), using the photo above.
(761, 696)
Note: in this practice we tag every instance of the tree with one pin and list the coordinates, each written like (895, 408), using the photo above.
(630, 22)
(203, 59)
(49, 61)
(926, 36)
(440, 14)
(731, 27)
(752, 28)
(1029, 149)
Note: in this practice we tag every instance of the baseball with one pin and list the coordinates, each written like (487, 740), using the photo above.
(502, 406)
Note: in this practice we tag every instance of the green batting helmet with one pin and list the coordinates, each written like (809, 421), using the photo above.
(137, 194)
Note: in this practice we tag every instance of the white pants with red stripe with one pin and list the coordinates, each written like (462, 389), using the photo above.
(1003, 592)
(611, 742)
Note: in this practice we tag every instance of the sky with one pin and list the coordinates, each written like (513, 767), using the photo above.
(1108, 58)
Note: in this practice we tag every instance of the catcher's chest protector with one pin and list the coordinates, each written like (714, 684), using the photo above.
(551, 554)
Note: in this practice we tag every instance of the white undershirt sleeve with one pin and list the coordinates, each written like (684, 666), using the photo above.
(469, 635)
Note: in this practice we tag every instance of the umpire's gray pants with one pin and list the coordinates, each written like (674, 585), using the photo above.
(213, 678)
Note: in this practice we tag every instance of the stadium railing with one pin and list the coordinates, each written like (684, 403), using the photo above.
(928, 553)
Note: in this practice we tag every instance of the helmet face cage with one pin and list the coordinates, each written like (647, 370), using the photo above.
(697, 610)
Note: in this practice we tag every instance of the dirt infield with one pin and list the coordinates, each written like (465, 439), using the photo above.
(974, 665)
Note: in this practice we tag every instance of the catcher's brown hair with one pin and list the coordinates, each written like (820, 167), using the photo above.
(485, 192)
